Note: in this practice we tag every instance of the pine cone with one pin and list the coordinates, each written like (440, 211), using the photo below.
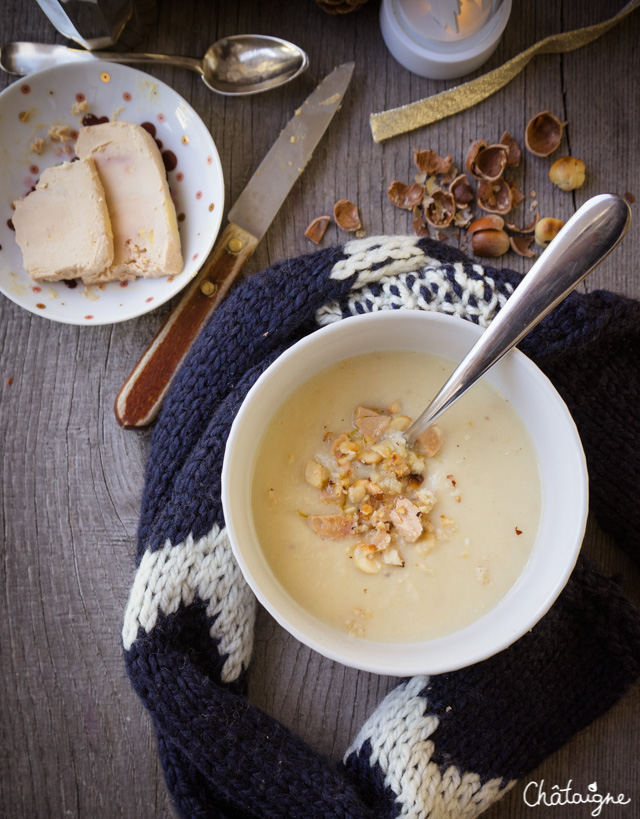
(340, 6)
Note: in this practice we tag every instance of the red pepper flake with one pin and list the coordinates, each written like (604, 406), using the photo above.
(8, 381)
(518, 531)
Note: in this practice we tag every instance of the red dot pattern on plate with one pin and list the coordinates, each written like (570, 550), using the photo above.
(25, 88)
(88, 318)
(37, 289)
(73, 133)
(124, 284)
(199, 195)
(209, 160)
(179, 176)
(149, 299)
(161, 118)
(194, 257)
(80, 97)
(34, 169)
(126, 96)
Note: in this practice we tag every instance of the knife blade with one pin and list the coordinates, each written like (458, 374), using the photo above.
(141, 395)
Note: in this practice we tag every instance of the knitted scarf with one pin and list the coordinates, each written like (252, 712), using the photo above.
(440, 746)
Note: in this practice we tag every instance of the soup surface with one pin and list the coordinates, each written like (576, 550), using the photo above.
(475, 500)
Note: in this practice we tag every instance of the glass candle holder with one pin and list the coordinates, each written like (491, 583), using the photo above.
(446, 39)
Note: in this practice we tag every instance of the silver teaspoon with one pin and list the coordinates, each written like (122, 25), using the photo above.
(591, 233)
(234, 66)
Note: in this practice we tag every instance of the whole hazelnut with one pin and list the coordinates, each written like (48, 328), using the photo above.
(567, 173)
(490, 243)
(546, 230)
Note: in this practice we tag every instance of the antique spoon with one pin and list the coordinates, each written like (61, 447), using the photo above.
(591, 233)
(234, 66)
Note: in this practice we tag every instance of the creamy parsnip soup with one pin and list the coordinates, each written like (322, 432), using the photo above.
(383, 540)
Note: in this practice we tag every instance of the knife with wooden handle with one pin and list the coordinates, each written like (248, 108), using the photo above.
(141, 395)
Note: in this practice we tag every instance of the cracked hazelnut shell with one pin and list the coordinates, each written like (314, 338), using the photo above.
(495, 196)
(543, 134)
(405, 196)
(439, 208)
(317, 228)
(346, 215)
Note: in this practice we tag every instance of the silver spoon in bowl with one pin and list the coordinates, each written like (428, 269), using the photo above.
(233, 66)
(591, 233)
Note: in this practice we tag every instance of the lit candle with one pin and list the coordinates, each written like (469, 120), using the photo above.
(443, 39)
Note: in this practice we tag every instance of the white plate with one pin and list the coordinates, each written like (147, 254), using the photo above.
(30, 106)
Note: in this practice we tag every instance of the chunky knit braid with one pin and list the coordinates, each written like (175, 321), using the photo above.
(445, 746)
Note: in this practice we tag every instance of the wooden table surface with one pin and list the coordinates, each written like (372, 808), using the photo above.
(74, 739)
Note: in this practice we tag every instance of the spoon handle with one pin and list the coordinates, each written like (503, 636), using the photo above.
(591, 233)
(24, 58)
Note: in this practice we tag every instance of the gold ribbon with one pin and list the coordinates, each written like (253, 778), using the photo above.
(424, 112)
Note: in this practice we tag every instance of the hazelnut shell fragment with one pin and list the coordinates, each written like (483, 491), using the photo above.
(439, 208)
(514, 154)
(495, 196)
(490, 162)
(430, 162)
(472, 153)
(526, 230)
(522, 245)
(405, 196)
(543, 134)
(461, 191)
(346, 215)
(317, 228)
(486, 223)
(568, 173)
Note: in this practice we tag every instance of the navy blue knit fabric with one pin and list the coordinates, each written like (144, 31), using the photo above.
(494, 721)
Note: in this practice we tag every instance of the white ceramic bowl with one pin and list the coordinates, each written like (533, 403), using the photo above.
(562, 467)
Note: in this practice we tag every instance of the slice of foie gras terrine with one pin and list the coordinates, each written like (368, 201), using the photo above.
(63, 226)
(146, 241)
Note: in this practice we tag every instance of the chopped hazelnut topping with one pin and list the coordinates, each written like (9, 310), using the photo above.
(375, 480)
